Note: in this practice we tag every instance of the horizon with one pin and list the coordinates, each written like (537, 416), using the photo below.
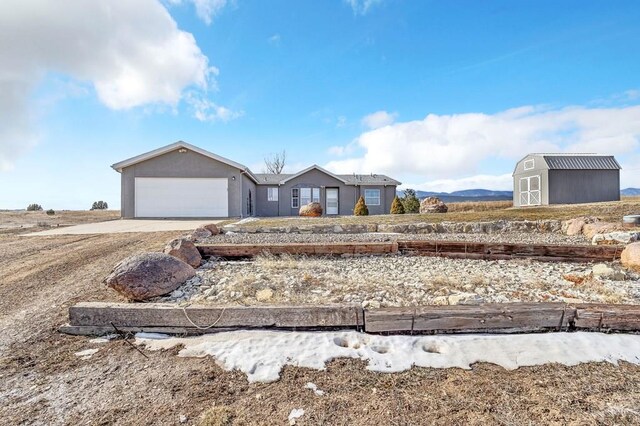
(440, 96)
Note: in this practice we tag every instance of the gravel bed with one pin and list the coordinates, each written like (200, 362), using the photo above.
(399, 280)
(518, 237)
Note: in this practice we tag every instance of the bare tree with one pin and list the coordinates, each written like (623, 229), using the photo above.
(275, 163)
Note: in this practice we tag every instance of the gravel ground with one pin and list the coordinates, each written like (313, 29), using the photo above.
(520, 237)
(398, 280)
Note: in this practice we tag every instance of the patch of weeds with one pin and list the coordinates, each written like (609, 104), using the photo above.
(218, 415)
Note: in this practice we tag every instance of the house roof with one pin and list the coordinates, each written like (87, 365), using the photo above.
(581, 162)
(176, 145)
(352, 179)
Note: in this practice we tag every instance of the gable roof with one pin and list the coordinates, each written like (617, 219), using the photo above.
(352, 179)
(308, 169)
(176, 145)
(581, 162)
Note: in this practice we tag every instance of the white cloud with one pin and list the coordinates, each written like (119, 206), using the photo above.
(361, 7)
(494, 182)
(449, 146)
(207, 110)
(205, 9)
(378, 119)
(274, 39)
(131, 52)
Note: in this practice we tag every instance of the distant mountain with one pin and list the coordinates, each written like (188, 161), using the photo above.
(630, 191)
(465, 195)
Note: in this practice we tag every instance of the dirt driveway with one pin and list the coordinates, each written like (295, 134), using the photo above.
(125, 225)
(43, 382)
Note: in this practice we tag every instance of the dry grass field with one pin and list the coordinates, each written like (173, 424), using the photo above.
(42, 382)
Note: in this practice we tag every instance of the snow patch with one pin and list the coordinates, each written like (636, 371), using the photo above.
(314, 388)
(103, 339)
(86, 354)
(296, 413)
(261, 355)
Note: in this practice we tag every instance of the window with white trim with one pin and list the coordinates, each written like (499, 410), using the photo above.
(372, 197)
(529, 164)
(304, 196)
(272, 194)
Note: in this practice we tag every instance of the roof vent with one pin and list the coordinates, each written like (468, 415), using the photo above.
(182, 150)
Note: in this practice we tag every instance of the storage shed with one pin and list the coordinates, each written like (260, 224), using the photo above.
(542, 179)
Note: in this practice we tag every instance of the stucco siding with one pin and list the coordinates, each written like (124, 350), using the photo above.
(181, 165)
(248, 201)
(316, 179)
(583, 186)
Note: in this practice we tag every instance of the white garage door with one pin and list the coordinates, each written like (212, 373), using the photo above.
(181, 197)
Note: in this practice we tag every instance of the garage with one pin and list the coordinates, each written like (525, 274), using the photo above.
(181, 197)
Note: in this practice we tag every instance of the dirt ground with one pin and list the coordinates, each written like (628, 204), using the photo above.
(43, 382)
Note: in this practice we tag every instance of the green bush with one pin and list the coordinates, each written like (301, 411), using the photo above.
(361, 208)
(410, 201)
(396, 206)
(34, 207)
(99, 205)
(51, 212)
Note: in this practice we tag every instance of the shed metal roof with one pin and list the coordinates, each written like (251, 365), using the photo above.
(581, 162)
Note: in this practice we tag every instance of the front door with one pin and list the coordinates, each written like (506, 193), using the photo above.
(332, 200)
(530, 191)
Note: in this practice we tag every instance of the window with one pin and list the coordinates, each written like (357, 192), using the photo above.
(304, 196)
(272, 194)
(529, 164)
(372, 197)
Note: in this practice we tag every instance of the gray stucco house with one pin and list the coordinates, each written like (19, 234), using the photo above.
(542, 179)
(182, 180)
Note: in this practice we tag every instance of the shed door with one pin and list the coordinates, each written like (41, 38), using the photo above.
(530, 191)
(181, 197)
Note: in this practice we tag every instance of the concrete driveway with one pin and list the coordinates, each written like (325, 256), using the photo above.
(125, 225)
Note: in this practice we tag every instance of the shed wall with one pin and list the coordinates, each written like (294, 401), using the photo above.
(583, 186)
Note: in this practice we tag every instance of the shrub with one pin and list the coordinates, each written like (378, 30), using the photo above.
(99, 205)
(361, 208)
(410, 201)
(51, 212)
(396, 206)
(34, 207)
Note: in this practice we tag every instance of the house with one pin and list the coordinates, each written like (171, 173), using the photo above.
(542, 179)
(182, 180)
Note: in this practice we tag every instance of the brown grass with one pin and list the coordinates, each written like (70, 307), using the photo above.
(479, 206)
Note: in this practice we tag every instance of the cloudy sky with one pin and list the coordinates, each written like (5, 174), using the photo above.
(440, 95)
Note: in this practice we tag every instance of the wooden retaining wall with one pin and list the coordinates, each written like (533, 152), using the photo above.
(453, 249)
(95, 318)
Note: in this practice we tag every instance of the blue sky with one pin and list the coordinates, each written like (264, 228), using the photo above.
(440, 95)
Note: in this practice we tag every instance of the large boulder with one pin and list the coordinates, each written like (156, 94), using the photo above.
(184, 250)
(575, 226)
(148, 275)
(630, 256)
(591, 229)
(433, 205)
(311, 210)
(618, 237)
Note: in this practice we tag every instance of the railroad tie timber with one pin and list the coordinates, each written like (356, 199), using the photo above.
(452, 249)
(91, 318)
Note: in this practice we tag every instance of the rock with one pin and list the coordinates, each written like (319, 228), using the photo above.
(371, 304)
(465, 299)
(311, 210)
(433, 205)
(148, 275)
(199, 234)
(574, 227)
(182, 418)
(184, 250)
(440, 300)
(213, 228)
(618, 237)
(630, 256)
(264, 294)
(602, 270)
(591, 229)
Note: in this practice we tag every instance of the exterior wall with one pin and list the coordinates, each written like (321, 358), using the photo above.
(387, 193)
(249, 201)
(265, 207)
(583, 186)
(539, 169)
(184, 165)
(315, 179)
